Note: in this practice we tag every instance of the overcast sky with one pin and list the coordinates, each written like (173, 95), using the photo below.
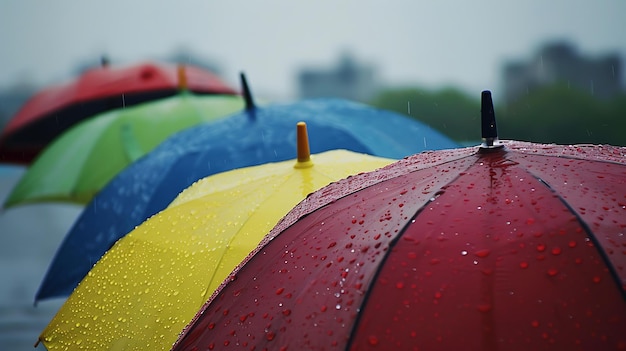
(430, 43)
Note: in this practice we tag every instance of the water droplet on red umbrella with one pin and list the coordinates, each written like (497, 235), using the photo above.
(399, 285)
(482, 253)
(541, 247)
(535, 323)
(556, 251)
(596, 279)
(552, 272)
(572, 244)
(279, 291)
(270, 335)
(323, 308)
(372, 340)
(485, 307)
(523, 265)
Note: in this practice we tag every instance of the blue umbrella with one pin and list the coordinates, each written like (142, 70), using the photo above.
(256, 136)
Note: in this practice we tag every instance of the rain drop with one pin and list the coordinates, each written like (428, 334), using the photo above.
(482, 253)
(372, 340)
(485, 307)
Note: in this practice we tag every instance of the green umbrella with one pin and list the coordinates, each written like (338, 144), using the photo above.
(81, 161)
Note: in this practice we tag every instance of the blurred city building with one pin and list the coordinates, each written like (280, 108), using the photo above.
(186, 56)
(560, 62)
(348, 79)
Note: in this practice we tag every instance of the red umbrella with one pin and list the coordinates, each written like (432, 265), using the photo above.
(506, 246)
(53, 110)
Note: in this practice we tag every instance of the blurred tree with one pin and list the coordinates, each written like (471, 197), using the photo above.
(555, 114)
(447, 110)
(564, 115)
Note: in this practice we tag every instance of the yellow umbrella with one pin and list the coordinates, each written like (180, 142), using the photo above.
(148, 287)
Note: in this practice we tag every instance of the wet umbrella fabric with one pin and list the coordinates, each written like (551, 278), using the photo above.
(55, 109)
(153, 280)
(81, 161)
(514, 247)
(259, 135)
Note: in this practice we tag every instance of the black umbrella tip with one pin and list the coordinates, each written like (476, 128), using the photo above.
(104, 61)
(488, 121)
(247, 95)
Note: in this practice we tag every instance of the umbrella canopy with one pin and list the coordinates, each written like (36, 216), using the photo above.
(507, 246)
(256, 136)
(81, 161)
(153, 280)
(55, 109)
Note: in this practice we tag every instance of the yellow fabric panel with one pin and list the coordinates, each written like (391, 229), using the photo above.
(149, 286)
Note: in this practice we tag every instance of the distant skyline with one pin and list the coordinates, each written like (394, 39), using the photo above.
(431, 44)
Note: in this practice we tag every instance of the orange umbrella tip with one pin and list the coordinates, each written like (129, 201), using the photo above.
(182, 77)
(488, 122)
(302, 142)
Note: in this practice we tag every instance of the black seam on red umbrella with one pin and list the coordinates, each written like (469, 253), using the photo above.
(572, 157)
(392, 243)
(599, 247)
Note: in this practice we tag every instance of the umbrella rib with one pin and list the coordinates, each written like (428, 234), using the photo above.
(392, 243)
(219, 262)
(599, 247)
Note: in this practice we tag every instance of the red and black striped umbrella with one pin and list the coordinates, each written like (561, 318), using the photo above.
(505, 246)
(54, 109)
